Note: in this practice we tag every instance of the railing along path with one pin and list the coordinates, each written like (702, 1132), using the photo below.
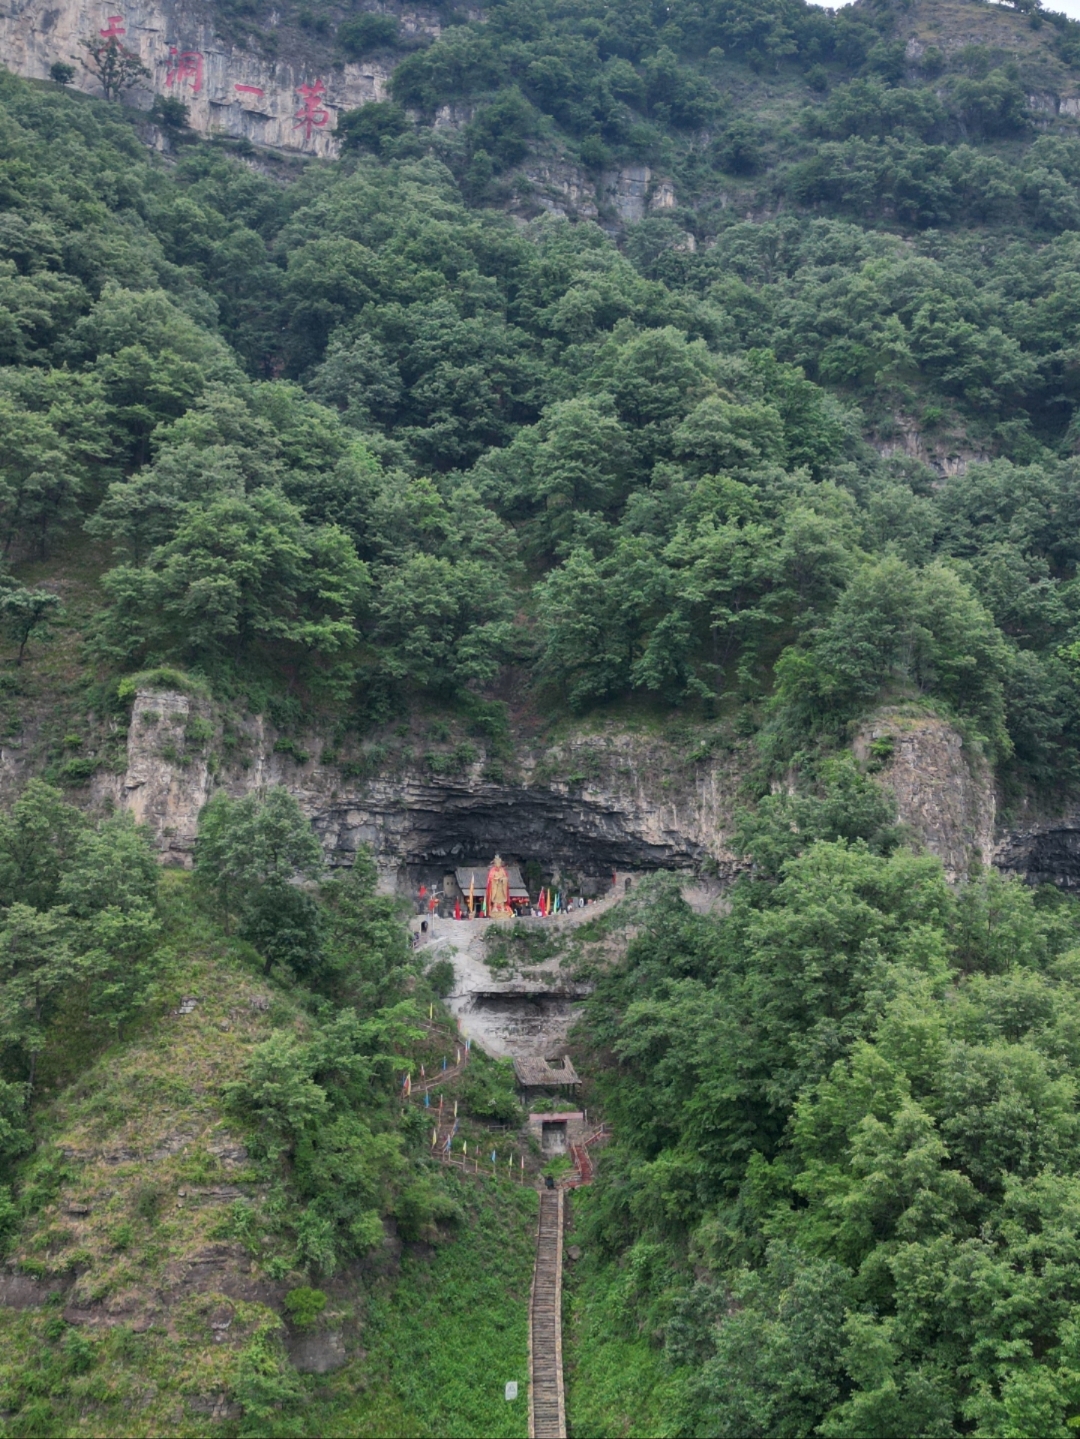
(547, 1405)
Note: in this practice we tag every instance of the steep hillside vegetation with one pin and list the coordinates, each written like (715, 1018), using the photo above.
(846, 1155)
(359, 438)
(792, 436)
(209, 1179)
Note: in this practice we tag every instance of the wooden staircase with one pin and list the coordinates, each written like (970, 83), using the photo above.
(547, 1407)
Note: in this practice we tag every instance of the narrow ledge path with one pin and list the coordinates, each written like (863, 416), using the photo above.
(547, 1405)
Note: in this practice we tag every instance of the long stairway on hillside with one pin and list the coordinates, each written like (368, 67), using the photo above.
(547, 1409)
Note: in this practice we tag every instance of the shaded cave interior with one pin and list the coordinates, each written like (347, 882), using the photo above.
(554, 840)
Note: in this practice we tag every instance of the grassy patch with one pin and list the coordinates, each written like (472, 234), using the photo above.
(444, 1337)
(171, 1250)
(617, 1382)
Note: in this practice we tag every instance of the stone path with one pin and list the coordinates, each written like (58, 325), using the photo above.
(547, 1406)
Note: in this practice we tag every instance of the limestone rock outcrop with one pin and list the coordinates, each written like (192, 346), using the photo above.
(229, 89)
(293, 104)
(944, 794)
(591, 804)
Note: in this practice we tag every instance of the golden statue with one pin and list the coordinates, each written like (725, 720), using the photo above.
(498, 891)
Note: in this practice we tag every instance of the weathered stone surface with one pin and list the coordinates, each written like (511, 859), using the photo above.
(1042, 847)
(613, 819)
(592, 804)
(229, 89)
(23, 1291)
(167, 780)
(944, 794)
(317, 1353)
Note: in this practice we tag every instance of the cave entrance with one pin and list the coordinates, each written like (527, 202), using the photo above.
(562, 839)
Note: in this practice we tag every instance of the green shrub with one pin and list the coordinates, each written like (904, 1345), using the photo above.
(304, 1305)
(881, 752)
(198, 730)
(266, 1384)
(79, 1352)
(164, 677)
(441, 977)
(120, 1237)
(367, 32)
(148, 1202)
(77, 771)
(291, 748)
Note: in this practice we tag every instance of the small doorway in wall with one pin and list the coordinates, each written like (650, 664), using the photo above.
(553, 1136)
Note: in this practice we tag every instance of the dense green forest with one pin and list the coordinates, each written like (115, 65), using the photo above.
(843, 1194)
(353, 424)
(337, 439)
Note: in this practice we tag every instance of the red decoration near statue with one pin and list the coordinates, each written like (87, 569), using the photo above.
(116, 27)
(312, 113)
(185, 65)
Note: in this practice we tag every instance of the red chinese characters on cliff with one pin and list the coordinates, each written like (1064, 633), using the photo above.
(312, 114)
(185, 68)
(114, 27)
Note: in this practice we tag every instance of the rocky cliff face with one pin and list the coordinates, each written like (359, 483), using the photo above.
(237, 91)
(589, 805)
(1044, 848)
(586, 807)
(944, 794)
(229, 89)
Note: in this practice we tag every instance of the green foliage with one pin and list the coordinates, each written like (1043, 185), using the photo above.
(170, 113)
(266, 1383)
(115, 67)
(78, 929)
(366, 32)
(428, 1372)
(373, 127)
(248, 852)
(307, 1100)
(488, 1091)
(163, 677)
(441, 977)
(633, 474)
(829, 1105)
(305, 1305)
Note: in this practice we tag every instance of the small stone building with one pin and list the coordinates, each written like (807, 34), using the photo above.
(558, 1133)
(539, 1079)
